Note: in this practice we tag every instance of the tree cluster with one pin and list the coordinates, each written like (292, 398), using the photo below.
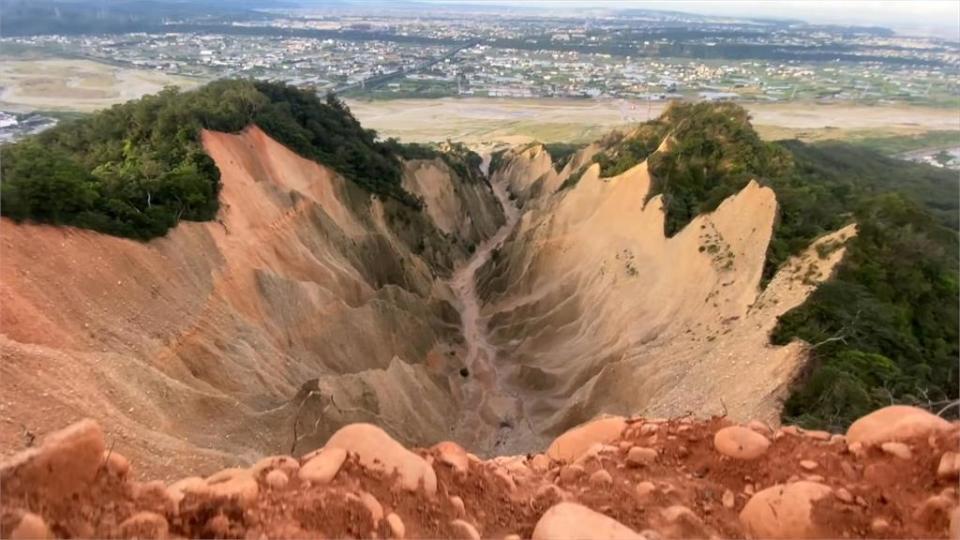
(137, 169)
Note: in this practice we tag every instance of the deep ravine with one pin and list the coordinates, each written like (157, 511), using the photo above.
(492, 420)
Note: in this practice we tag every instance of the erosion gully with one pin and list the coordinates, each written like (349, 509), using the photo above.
(493, 419)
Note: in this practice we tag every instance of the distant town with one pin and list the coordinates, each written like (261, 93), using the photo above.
(633, 55)
(499, 56)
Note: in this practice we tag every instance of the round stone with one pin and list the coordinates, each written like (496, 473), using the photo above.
(740, 443)
(276, 479)
(323, 467)
(571, 520)
(895, 422)
(639, 456)
(397, 529)
(783, 511)
(145, 525)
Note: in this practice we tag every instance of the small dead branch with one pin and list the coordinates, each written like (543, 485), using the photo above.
(948, 406)
(29, 437)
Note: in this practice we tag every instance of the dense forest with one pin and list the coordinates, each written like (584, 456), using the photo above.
(884, 329)
(138, 168)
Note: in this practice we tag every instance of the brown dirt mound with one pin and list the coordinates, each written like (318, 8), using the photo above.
(658, 478)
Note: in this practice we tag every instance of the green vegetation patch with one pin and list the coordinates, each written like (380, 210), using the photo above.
(884, 329)
(714, 152)
(562, 153)
(137, 169)
(465, 162)
(900, 144)
(827, 182)
(574, 177)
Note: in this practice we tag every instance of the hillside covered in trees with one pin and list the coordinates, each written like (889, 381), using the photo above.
(884, 328)
(138, 168)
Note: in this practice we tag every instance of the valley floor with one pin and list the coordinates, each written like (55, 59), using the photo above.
(516, 121)
(493, 417)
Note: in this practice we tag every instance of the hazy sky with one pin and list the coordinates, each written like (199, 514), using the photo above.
(940, 17)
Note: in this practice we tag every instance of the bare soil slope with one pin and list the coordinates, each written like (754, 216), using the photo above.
(194, 345)
(594, 310)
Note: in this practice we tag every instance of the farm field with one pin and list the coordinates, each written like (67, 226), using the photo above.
(75, 85)
(522, 120)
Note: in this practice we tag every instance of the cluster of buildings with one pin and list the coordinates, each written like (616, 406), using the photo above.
(430, 55)
(326, 63)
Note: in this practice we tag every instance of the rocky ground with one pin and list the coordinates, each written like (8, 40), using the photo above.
(892, 475)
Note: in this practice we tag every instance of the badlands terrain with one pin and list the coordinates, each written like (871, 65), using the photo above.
(522, 321)
(306, 306)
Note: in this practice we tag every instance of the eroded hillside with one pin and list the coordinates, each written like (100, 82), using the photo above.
(597, 310)
(307, 305)
(210, 343)
(407, 287)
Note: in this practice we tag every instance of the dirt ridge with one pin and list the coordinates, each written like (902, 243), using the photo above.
(892, 475)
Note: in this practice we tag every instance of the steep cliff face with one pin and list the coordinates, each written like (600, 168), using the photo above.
(462, 210)
(196, 342)
(593, 309)
(528, 171)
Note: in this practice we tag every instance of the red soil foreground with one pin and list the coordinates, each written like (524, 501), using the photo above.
(611, 478)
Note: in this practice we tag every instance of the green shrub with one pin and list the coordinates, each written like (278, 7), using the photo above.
(713, 154)
(138, 168)
(561, 153)
(885, 327)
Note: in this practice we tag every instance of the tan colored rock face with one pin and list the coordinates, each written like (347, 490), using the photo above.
(453, 455)
(590, 289)
(574, 443)
(377, 450)
(894, 423)
(65, 462)
(571, 520)
(301, 273)
(740, 442)
(783, 511)
(323, 467)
